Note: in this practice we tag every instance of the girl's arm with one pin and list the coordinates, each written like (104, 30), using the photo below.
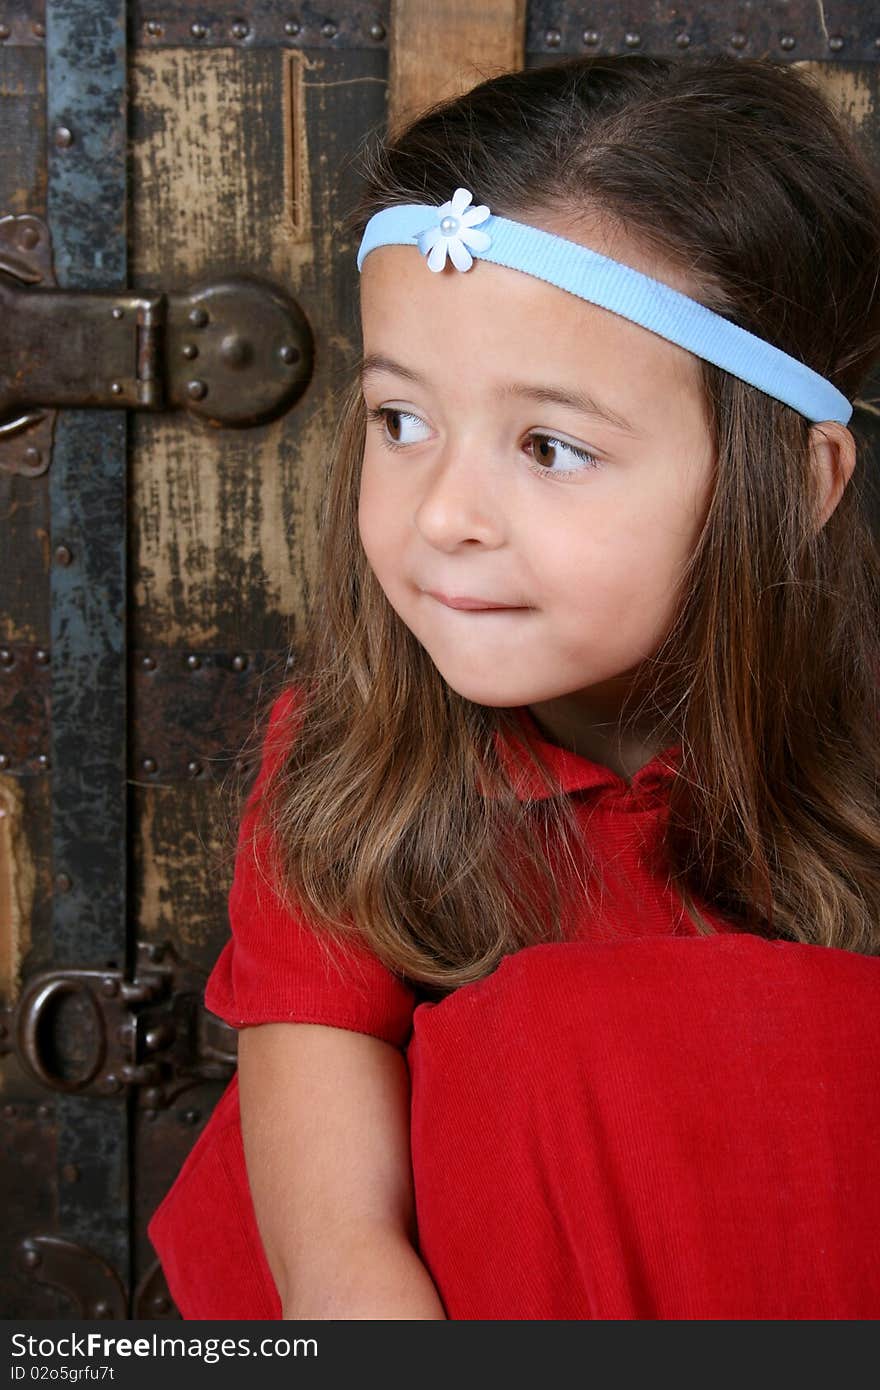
(325, 1125)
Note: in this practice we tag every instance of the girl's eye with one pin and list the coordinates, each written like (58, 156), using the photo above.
(389, 416)
(543, 441)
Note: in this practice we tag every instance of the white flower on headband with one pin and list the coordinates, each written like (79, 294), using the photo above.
(456, 230)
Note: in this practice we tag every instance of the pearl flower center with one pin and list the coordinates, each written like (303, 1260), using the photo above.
(449, 225)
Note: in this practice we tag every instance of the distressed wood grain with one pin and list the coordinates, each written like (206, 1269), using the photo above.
(447, 47)
(243, 162)
(182, 852)
(17, 883)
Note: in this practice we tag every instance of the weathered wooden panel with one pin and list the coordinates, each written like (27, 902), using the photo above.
(445, 48)
(184, 841)
(222, 523)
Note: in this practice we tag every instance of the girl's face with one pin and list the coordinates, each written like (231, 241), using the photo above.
(534, 451)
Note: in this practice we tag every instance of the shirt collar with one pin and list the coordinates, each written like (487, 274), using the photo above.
(573, 771)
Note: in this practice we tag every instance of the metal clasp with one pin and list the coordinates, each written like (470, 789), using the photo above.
(237, 351)
(151, 1032)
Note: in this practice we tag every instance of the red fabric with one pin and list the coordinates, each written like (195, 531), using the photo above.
(653, 1129)
(637, 1123)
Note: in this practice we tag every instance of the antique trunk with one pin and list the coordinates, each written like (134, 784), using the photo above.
(179, 323)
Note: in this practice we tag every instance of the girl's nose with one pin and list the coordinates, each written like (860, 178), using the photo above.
(460, 501)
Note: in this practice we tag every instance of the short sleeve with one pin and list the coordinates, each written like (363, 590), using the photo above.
(273, 969)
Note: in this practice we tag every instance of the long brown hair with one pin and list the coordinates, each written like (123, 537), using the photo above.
(741, 173)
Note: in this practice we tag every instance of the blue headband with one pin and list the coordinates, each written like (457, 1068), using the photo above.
(462, 232)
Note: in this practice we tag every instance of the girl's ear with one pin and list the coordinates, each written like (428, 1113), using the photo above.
(833, 453)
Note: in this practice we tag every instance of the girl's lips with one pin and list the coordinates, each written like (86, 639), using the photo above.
(473, 605)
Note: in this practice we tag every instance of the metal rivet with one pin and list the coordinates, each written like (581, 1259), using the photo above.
(191, 1117)
(41, 656)
(235, 350)
(198, 318)
(553, 38)
(193, 768)
(590, 36)
(10, 1111)
(787, 41)
(70, 1172)
(6, 657)
(292, 27)
(632, 40)
(33, 456)
(189, 351)
(116, 388)
(329, 29)
(63, 555)
(44, 1111)
(39, 30)
(42, 761)
(152, 1097)
(738, 39)
(32, 1258)
(289, 354)
(63, 882)
(5, 31)
(683, 40)
(196, 390)
(101, 1308)
(377, 31)
(160, 1303)
(193, 661)
(148, 663)
(240, 29)
(149, 765)
(63, 137)
(239, 663)
(109, 987)
(198, 31)
(110, 1084)
(117, 312)
(156, 1038)
(153, 28)
(4, 762)
(835, 43)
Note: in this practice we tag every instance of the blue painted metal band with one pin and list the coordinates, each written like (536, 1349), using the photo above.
(86, 85)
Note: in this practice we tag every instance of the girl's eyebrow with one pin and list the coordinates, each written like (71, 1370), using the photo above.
(544, 395)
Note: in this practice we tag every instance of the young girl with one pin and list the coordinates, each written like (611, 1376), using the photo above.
(554, 918)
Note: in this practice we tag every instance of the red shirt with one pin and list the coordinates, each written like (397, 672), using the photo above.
(638, 1122)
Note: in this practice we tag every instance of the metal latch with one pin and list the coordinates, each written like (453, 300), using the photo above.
(236, 351)
(92, 1032)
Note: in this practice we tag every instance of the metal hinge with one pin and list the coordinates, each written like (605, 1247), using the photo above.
(93, 1032)
(236, 351)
